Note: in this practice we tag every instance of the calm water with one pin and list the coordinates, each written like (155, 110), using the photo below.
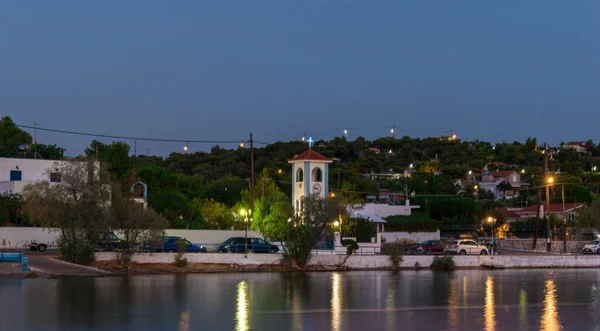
(462, 300)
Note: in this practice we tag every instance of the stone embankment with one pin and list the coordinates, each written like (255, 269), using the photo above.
(366, 262)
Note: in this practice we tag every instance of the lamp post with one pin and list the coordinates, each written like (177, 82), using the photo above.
(547, 214)
(476, 190)
(492, 221)
(245, 215)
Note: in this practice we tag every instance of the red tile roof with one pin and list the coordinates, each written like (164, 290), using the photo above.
(510, 214)
(310, 155)
(554, 208)
(501, 173)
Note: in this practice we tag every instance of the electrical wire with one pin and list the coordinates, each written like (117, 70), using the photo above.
(185, 141)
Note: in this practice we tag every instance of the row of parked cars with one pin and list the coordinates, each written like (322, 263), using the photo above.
(458, 247)
(110, 242)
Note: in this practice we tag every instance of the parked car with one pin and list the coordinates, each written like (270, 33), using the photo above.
(171, 245)
(108, 242)
(592, 248)
(255, 245)
(427, 247)
(464, 247)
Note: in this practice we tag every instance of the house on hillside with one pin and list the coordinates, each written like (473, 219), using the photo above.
(580, 146)
(16, 173)
(502, 183)
(572, 211)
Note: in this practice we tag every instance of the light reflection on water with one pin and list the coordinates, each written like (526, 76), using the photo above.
(241, 314)
(489, 311)
(423, 300)
(336, 301)
(550, 321)
(453, 303)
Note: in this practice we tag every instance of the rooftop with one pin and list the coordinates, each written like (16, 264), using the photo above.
(310, 155)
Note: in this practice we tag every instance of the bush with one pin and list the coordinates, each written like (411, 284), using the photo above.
(395, 256)
(76, 251)
(181, 262)
(351, 246)
(443, 263)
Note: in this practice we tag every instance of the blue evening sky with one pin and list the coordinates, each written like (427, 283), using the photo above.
(492, 70)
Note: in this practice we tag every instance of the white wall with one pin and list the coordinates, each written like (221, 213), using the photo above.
(18, 237)
(373, 262)
(31, 170)
(384, 210)
(414, 236)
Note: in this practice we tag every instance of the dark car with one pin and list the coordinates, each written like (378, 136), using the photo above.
(108, 242)
(171, 245)
(255, 245)
(427, 247)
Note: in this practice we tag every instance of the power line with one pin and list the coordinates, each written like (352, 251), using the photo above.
(134, 138)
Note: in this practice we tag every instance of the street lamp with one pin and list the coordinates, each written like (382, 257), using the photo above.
(594, 169)
(245, 215)
(491, 220)
(550, 181)
(522, 171)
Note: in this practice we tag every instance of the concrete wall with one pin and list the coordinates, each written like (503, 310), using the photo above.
(374, 262)
(414, 236)
(385, 210)
(526, 244)
(17, 237)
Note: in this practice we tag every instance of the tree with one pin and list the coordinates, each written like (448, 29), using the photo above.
(10, 209)
(309, 226)
(139, 226)
(79, 206)
(217, 215)
(11, 138)
(115, 155)
(49, 152)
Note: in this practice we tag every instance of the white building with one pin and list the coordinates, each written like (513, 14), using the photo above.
(16, 173)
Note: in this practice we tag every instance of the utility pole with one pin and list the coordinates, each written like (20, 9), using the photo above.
(251, 192)
(547, 213)
(35, 153)
(96, 152)
(135, 148)
(537, 221)
(564, 219)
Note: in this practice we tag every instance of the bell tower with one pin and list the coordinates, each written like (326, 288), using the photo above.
(310, 172)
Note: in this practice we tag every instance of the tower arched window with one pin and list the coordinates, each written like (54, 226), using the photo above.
(317, 175)
(299, 176)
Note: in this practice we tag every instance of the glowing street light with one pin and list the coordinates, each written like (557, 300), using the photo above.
(522, 171)
(470, 172)
(280, 171)
(336, 224)
(491, 220)
(594, 169)
(410, 166)
(550, 180)
(245, 214)
(185, 148)
(345, 131)
(476, 187)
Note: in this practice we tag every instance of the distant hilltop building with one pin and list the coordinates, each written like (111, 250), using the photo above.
(580, 146)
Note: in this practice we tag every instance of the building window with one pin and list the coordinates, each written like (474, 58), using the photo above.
(15, 175)
(317, 175)
(299, 176)
(55, 177)
(514, 178)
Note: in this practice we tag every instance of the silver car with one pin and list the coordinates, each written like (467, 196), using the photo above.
(466, 246)
(592, 248)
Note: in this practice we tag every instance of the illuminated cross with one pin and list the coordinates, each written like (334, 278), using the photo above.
(310, 142)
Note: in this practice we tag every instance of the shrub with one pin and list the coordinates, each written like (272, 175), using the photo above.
(181, 262)
(443, 263)
(351, 246)
(76, 251)
(395, 256)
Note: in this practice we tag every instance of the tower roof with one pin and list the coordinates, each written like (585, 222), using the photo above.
(310, 155)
